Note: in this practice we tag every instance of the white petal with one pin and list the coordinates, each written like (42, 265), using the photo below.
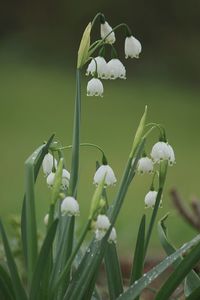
(113, 236)
(145, 165)
(116, 69)
(70, 206)
(150, 198)
(48, 162)
(132, 47)
(98, 64)
(50, 179)
(102, 223)
(103, 170)
(105, 30)
(95, 87)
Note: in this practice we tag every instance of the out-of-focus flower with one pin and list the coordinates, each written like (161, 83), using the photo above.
(145, 165)
(70, 206)
(50, 179)
(132, 47)
(113, 236)
(48, 162)
(65, 179)
(150, 199)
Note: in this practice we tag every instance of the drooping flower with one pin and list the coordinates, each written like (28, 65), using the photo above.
(65, 179)
(107, 171)
(150, 199)
(70, 206)
(116, 69)
(48, 163)
(99, 65)
(102, 223)
(145, 165)
(162, 151)
(113, 236)
(105, 30)
(50, 179)
(132, 47)
(95, 87)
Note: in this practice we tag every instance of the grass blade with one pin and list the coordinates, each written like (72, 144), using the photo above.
(6, 288)
(113, 271)
(39, 156)
(192, 280)
(42, 261)
(138, 260)
(179, 274)
(16, 282)
(135, 289)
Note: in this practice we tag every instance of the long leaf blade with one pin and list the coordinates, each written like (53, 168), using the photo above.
(113, 271)
(6, 288)
(42, 262)
(16, 282)
(135, 289)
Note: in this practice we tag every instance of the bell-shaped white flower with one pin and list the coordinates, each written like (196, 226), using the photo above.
(50, 179)
(65, 179)
(107, 172)
(46, 219)
(150, 199)
(102, 223)
(99, 65)
(70, 206)
(172, 160)
(145, 165)
(95, 87)
(116, 69)
(105, 30)
(48, 162)
(162, 151)
(132, 47)
(113, 236)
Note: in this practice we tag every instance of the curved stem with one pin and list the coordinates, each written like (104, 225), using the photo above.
(161, 129)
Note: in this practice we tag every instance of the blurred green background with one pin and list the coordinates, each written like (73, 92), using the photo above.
(38, 48)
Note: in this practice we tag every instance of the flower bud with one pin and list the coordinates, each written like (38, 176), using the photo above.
(107, 171)
(145, 165)
(50, 179)
(95, 87)
(150, 199)
(102, 223)
(116, 69)
(48, 162)
(105, 30)
(70, 206)
(113, 236)
(99, 65)
(132, 47)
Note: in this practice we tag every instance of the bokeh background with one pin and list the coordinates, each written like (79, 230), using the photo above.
(38, 48)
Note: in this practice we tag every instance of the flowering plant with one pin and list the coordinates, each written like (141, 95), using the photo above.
(61, 268)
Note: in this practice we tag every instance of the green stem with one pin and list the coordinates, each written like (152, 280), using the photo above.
(83, 145)
(76, 138)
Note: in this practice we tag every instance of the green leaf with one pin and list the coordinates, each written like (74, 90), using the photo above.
(90, 262)
(192, 280)
(179, 274)
(16, 282)
(6, 287)
(42, 262)
(135, 289)
(84, 46)
(37, 161)
(138, 260)
(195, 295)
(113, 271)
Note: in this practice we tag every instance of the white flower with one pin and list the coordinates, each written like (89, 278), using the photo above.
(116, 69)
(163, 151)
(99, 234)
(172, 160)
(132, 47)
(46, 219)
(107, 171)
(50, 179)
(70, 206)
(145, 165)
(150, 198)
(48, 162)
(65, 179)
(105, 30)
(100, 65)
(102, 223)
(113, 236)
(95, 87)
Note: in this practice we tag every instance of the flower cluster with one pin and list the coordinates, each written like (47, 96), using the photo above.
(114, 68)
(49, 165)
